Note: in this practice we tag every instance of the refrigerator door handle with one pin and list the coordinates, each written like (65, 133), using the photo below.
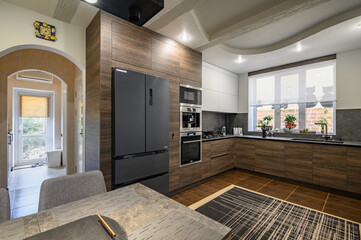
(150, 97)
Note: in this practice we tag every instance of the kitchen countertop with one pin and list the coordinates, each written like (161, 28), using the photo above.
(142, 212)
(287, 139)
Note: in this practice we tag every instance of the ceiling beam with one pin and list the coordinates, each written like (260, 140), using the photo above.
(65, 10)
(262, 19)
(172, 14)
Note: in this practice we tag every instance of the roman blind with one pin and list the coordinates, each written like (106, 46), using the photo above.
(309, 83)
(33, 106)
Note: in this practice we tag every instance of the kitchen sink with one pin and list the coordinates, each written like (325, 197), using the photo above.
(317, 140)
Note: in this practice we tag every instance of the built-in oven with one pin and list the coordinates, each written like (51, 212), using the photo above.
(190, 95)
(191, 119)
(190, 148)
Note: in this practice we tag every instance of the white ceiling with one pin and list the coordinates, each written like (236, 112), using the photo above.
(264, 32)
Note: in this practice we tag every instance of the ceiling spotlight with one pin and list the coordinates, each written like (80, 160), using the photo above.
(298, 48)
(184, 37)
(240, 59)
(91, 1)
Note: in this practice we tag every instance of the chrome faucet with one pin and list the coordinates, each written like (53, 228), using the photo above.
(325, 136)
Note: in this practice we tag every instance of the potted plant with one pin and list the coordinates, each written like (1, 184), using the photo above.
(323, 120)
(290, 120)
(264, 125)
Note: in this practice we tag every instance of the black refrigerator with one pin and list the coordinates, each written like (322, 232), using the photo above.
(140, 126)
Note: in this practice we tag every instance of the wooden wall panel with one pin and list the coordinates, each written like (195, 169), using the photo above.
(298, 161)
(329, 166)
(354, 169)
(270, 157)
(127, 46)
(131, 45)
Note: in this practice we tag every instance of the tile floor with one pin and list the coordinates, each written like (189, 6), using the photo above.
(24, 188)
(334, 204)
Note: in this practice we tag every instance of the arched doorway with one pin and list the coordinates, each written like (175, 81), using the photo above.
(49, 60)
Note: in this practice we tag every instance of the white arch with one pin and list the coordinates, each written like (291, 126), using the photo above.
(41, 47)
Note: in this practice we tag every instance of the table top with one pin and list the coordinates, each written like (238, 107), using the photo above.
(142, 212)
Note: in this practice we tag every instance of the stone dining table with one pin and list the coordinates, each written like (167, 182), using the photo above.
(143, 212)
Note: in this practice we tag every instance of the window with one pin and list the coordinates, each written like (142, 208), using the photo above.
(307, 92)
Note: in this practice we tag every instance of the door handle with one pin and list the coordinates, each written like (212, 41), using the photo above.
(185, 142)
(150, 97)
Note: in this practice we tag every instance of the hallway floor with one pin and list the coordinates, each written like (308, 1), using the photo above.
(338, 205)
(24, 188)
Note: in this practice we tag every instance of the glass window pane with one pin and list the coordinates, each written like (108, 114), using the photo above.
(34, 147)
(291, 109)
(263, 111)
(289, 88)
(317, 111)
(34, 126)
(319, 84)
(265, 90)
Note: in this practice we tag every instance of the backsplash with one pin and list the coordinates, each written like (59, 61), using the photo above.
(347, 125)
(212, 121)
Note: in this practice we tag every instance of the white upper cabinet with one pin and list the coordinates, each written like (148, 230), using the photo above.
(220, 89)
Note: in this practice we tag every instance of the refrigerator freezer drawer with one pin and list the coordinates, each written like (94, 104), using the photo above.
(128, 170)
(159, 184)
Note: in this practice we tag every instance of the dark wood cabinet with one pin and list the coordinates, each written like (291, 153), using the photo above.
(191, 65)
(131, 45)
(222, 155)
(330, 166)
(354, 169)
(165, 57)
(190, 174)
(269, 157)
(245, 153)
(221, 147)
(206, 160)
(222, 163)
(298, 161)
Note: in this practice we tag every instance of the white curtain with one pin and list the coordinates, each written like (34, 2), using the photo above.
(308, 83)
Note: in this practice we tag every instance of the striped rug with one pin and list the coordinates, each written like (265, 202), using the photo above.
(255, 216)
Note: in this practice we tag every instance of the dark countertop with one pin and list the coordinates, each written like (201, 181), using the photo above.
(287, 139)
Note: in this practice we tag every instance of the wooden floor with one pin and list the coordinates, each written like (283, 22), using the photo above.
(334, 204)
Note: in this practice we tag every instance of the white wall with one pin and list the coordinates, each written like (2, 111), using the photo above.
(348, 77)
(243, 93)
(17, 29)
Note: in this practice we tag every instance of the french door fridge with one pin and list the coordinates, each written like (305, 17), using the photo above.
(140, 126)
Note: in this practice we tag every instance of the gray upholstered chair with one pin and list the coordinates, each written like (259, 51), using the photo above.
(62, 190)
(4, 205)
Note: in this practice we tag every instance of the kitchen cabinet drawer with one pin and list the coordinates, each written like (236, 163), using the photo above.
(222, 163)
(190, 174)
(245, 152)
(221, 147)
(270, 157)
(298, 162)
(330, 166)
(354, 169)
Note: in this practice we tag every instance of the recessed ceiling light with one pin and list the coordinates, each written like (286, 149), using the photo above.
(240, 59)
(298, 48)
(91, 1)
(184, 37)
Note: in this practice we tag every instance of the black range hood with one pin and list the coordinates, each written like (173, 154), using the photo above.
(134, 11)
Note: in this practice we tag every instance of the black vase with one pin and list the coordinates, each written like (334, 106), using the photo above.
(264, 132)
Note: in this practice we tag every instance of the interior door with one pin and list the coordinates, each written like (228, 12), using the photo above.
(157, 113)
(128, 112)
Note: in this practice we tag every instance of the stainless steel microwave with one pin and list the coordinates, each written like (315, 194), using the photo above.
(189, 95)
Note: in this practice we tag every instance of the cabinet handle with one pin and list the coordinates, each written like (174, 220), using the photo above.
(222, 155)
(150, 97)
